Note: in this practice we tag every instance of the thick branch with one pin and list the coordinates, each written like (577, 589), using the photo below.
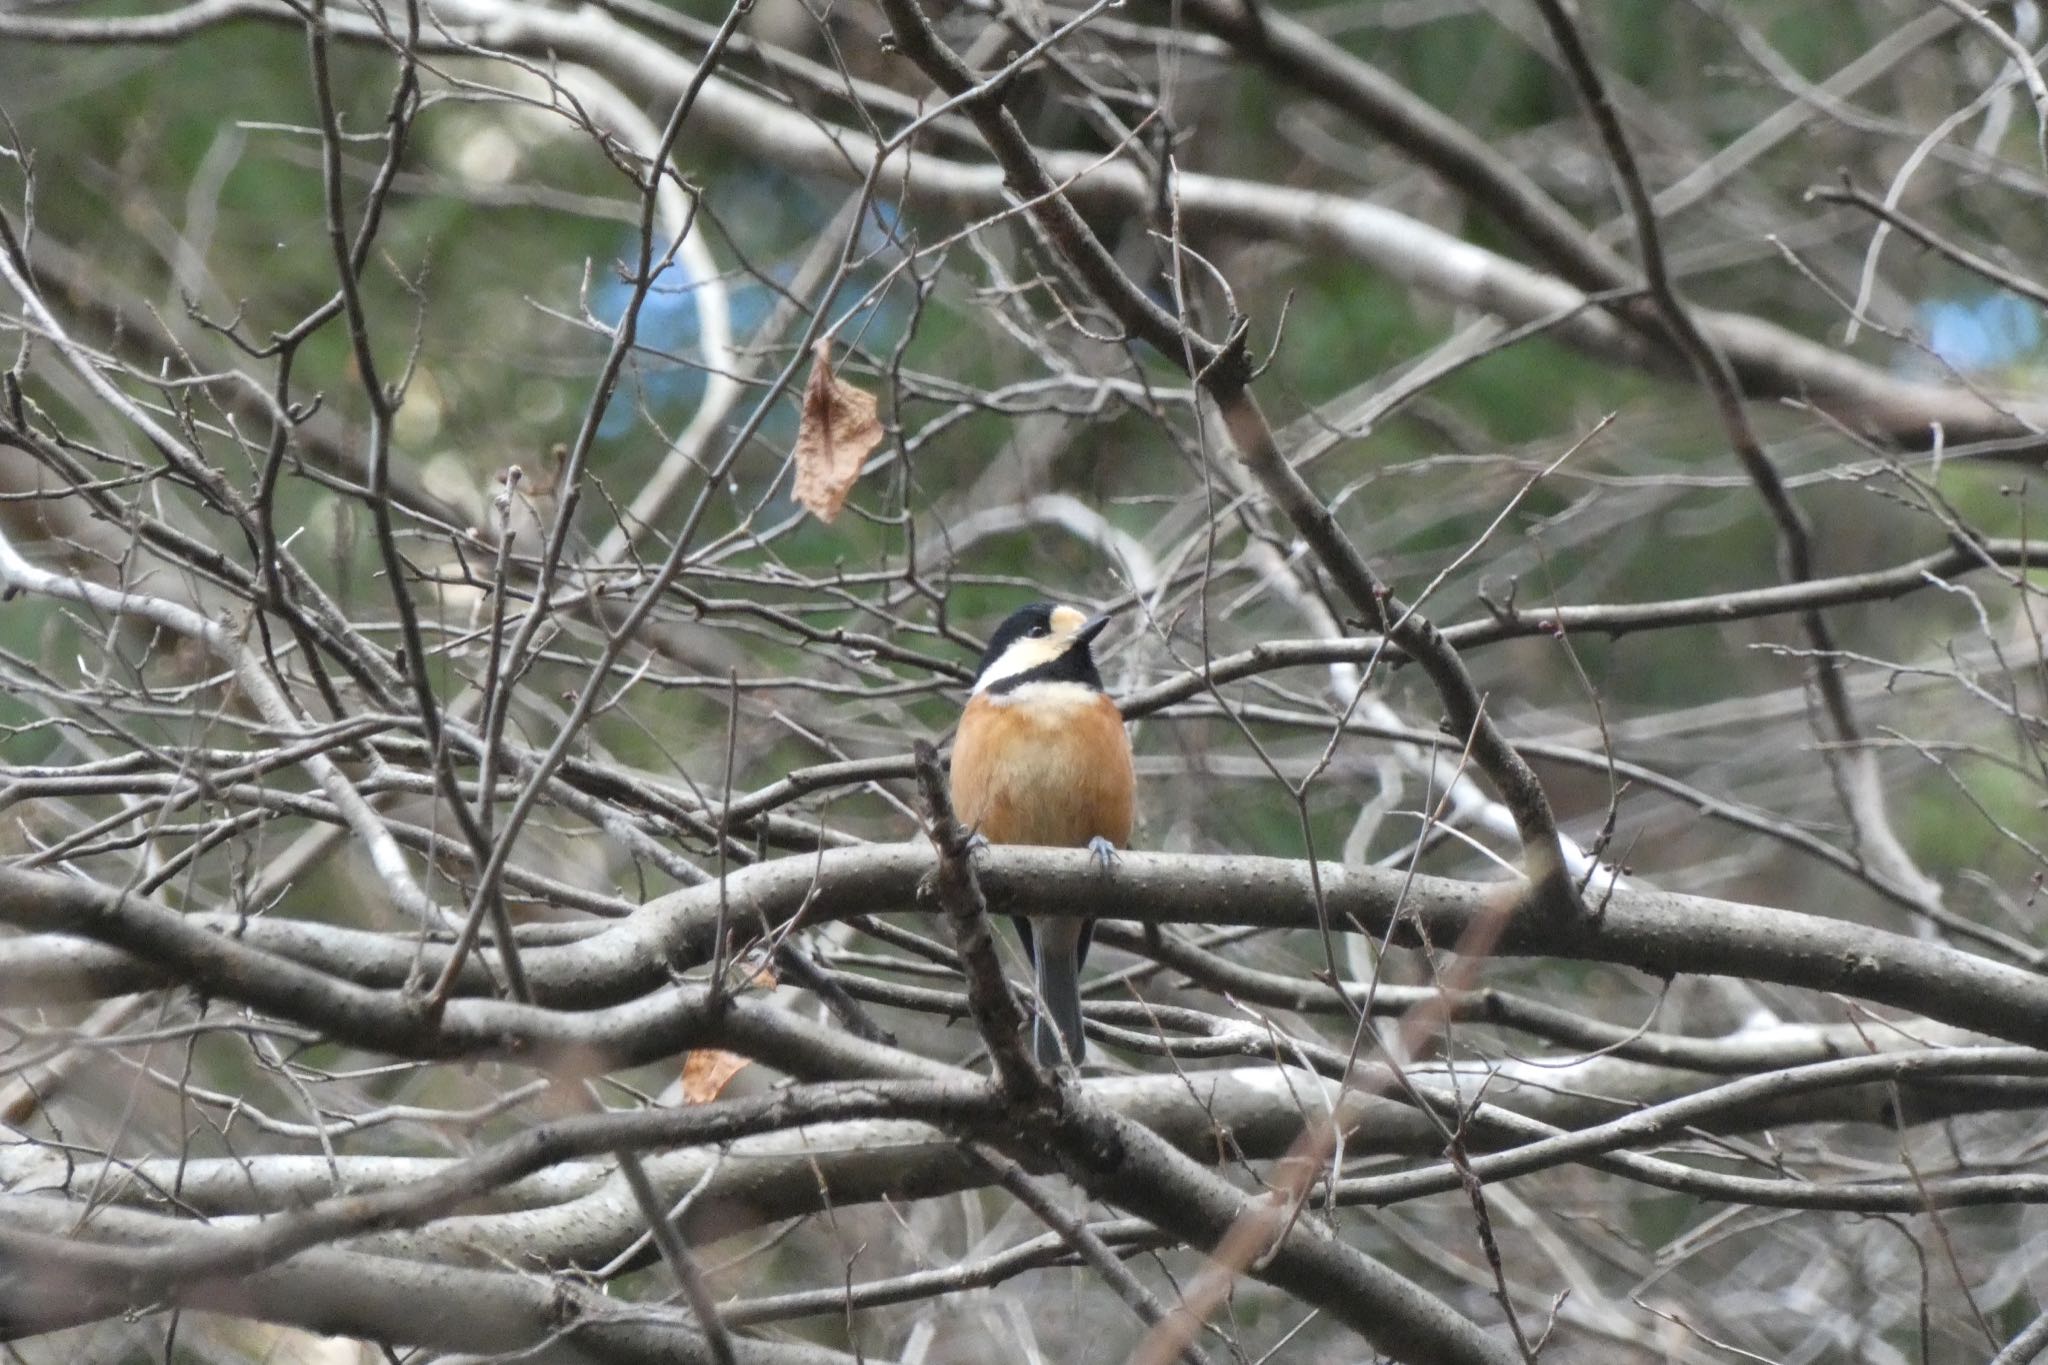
(1657, 932)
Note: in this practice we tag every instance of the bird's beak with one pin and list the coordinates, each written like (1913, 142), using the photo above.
(1091, 628)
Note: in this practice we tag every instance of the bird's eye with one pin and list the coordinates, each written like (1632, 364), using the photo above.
(1039, 632)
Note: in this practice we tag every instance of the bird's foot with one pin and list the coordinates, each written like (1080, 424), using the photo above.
(977, 842)
(1105, 853)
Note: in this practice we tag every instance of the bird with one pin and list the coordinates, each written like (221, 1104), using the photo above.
(1041, 757)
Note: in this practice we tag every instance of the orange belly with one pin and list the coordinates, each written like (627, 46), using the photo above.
(1052, 771)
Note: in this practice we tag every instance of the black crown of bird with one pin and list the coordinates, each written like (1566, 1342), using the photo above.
(1041, 757)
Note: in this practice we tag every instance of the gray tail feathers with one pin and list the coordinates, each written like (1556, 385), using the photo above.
(1056, 945)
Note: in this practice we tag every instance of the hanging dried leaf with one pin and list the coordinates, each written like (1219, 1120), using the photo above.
(706, 1071)
(833, 440)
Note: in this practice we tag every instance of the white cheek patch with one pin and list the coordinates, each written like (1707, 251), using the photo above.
(1021, 657)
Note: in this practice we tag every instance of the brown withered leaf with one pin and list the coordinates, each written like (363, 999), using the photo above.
(838, 430)
(706, 1072)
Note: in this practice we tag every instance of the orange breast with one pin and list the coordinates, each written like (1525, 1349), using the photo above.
(1051, 770)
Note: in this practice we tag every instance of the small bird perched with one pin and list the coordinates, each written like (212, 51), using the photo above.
(1041, 757)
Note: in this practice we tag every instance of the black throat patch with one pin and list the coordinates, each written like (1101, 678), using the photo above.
(1077, 665)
